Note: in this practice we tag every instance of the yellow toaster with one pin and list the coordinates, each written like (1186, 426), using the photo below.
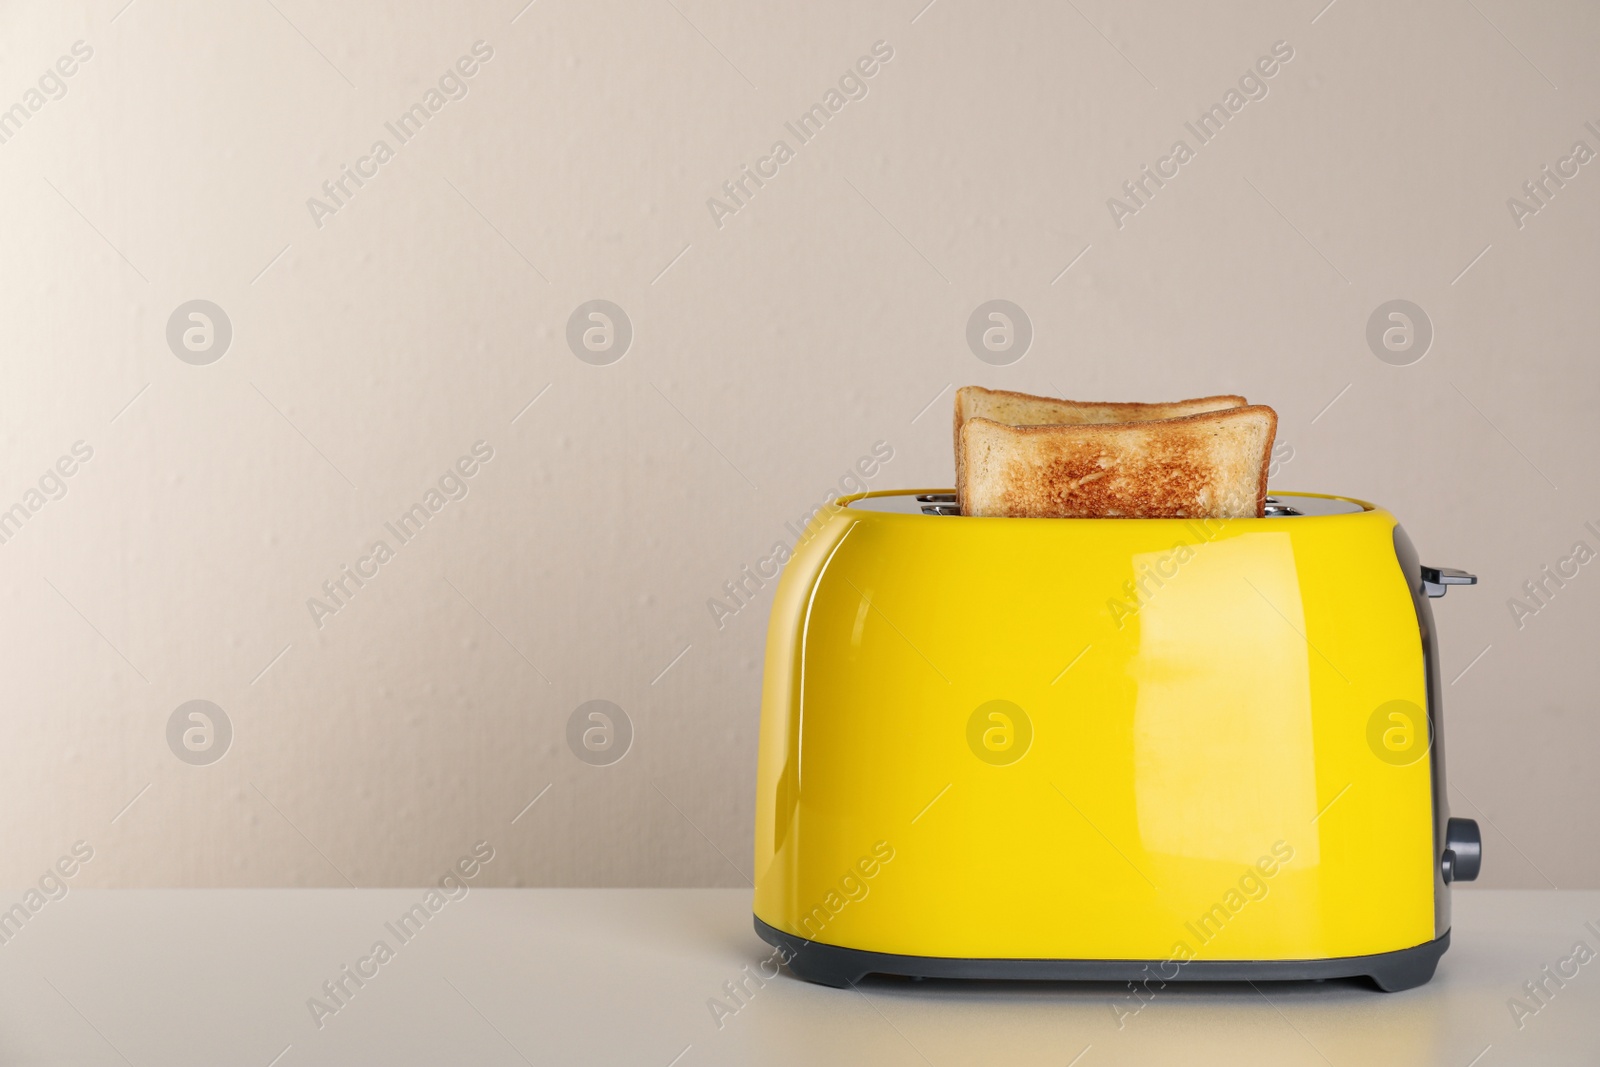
(1143, 750)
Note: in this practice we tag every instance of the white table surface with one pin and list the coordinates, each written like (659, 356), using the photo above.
(623, 976)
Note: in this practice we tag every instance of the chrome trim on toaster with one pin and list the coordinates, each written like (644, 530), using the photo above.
(1279, 505)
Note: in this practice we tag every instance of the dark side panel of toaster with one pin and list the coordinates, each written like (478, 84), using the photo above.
(1411, 569)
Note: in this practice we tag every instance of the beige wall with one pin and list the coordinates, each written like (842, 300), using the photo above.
(770, 353)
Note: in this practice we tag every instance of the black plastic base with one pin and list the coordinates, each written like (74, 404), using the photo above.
(831, 965)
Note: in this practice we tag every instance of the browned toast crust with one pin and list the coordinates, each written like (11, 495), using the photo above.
(1061, 412)
(1209, 465)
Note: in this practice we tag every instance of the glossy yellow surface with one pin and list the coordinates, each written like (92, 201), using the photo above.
(1199, 781)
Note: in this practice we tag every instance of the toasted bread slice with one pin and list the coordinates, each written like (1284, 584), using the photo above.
(1024, 409)
(1211, 465)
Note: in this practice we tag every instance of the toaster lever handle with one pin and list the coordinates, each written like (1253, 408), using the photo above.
(1435, 580)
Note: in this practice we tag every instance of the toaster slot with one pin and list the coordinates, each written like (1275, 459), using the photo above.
(1278, 505)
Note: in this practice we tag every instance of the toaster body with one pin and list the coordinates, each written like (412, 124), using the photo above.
(1147, 750)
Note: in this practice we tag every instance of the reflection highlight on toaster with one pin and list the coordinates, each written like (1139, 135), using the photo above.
(1251, 888)
(1156, 570)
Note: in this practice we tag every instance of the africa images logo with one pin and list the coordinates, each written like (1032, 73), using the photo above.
(1252, 86)
(453, 485)
(52, 85)
(453, 84)
(852, 85)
